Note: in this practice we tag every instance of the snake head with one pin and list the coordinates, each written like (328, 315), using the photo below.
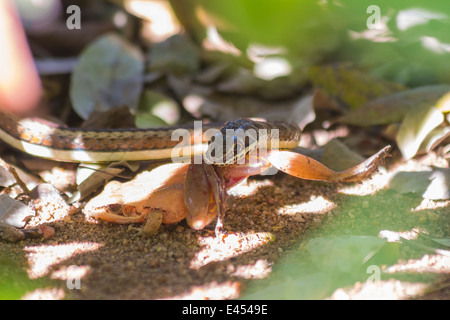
(232, 143)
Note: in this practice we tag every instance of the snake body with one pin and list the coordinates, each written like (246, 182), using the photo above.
(46, 139)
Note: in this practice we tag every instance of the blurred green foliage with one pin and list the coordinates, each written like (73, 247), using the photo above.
(15, 282)
(411, 46)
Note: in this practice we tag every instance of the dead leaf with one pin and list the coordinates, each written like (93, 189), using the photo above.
(415, 127)
(428, 184)
(350, 85)
(223, 107)
(446, 151)
(434, 139)
(338, 156)
(109, 74)
(176, 55)
(92, 177)
(395, 107)
(213, 72)
(13, 213)
(243, 81)
(114, 118)
(7, 179)
(323, 102)
(444, 103)
(156, 110)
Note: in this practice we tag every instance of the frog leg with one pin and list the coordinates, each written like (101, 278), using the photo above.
(198, 198)
(301, 166)
(206, 188)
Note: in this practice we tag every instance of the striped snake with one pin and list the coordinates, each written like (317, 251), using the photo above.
(46, 139)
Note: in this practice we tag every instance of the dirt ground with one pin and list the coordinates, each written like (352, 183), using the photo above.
(268, 221)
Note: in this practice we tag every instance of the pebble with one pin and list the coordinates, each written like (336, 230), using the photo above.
(47, 232)
(12, 234)
(152, 224)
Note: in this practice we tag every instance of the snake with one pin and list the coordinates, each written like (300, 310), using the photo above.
(47, 139)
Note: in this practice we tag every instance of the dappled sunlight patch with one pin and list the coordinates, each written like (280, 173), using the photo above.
(260, 269)
(428, 204)
(70, 272)
(212, 291)
(316, 204)
(391, 289)
(367, 187)
(159, 22)
(270, 68)
(42, 258)
(216, 249)
(248, 188)
(214, 41)
(428, 263)
(396, 236)
(45, 294)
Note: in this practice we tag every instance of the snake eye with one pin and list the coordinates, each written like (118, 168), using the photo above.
(114, 208)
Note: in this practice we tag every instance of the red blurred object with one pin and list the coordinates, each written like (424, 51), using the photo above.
(20, 86)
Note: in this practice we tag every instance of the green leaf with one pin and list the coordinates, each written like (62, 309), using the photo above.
(309, 286)
(147, 120)
(334, 261)
(177, 55)
(108, 74)
(338, 156)
(433, 185)
(395, 107)
(416, 126)
(345, 254)
(156, 109)
(351, 86)
(15, 282)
